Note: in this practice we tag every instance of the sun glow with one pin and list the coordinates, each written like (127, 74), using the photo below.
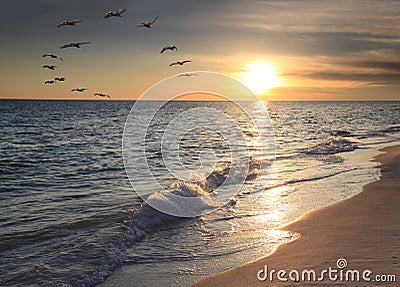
(260, 77)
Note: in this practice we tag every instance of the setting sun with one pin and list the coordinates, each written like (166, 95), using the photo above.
(260, 76)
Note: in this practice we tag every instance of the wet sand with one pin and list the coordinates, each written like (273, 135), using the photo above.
(364, 230)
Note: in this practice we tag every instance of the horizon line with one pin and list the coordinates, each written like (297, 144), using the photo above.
(263, 100)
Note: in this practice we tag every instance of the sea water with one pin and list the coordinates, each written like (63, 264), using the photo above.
(69, 216)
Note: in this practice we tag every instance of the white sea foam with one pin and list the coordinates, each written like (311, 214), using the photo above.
(199, 192)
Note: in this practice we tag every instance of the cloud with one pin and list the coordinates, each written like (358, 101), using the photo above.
(354, 71)
(381, 79)
(388, 66)
(346, 76)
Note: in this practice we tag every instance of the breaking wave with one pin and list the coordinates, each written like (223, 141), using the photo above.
(146, 218)
(333, 146)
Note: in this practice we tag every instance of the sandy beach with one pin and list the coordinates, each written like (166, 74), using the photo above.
(363, 230)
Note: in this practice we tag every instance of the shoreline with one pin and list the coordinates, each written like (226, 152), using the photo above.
(364, 230)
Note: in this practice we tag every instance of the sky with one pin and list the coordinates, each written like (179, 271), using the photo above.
(283, 50)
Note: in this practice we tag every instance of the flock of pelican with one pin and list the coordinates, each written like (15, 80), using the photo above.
(78, 45)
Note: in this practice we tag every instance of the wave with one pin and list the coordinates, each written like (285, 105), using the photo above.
(392, 129)
(341, 133)
(383, 132)
(115, 257)
(333, 146)
(300, 180)
(293, 181)
(147, 219)
(374, 134)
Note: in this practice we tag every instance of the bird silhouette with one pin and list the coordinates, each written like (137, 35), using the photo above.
(188, 75)
(80, 90)
(52, 56)
(50, 82)
(148, 24)
(68, 23)
(102, 95)
(50, 67)
(179, 63)
(74, 44)
(172, 48)
(115, 13)
(59, 79)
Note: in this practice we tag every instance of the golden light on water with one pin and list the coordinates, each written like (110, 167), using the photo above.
(260, 77)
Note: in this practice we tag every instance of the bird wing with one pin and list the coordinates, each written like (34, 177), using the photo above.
(67, 46)
(163, 50)
(120, 11)
(109, 14)
(61, 24)
(61, 59)
(73, 22)
(186, 61)
(172, 64)
(83, 43)
(152, 21)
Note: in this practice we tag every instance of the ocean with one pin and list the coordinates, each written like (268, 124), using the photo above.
(70, 217)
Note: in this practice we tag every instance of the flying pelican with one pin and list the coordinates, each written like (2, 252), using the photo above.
(115, 13)
(52, 56)
(179, 63)
(80, 90)
(148, 24)
(68, 23)
(188, 75)
(74, 44)
(102, 95)
(172, 48)
(50, 67)
(59, 79)
(50, 82)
